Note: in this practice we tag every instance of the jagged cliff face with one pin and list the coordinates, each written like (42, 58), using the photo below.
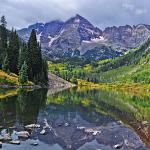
(44, 31)
(71, 36)
(127, 36)
(77, 36)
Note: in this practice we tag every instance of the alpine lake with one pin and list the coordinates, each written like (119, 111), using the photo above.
(78, 118)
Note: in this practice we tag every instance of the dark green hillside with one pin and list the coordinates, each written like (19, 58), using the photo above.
(133, 67)
(139, 56)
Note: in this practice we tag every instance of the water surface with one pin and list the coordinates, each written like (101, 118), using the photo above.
(120, 117)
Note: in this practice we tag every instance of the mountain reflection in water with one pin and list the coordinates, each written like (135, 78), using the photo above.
(79, 117)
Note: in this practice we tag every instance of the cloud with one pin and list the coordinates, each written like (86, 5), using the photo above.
(140, 11)
(102, 13)
(128, 6)
(134, 9)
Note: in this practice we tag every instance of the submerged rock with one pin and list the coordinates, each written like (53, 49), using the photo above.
(33, 126)
(46, 124)
(15, 142)
(43, 132)
(129, 144)
(93, 131)
(3, 132)
(60, 124)
(23, 134)
(66, 124)
(5, 138)
(14, 136)
(34, 142)
(80, 128)
(118, 146)
(13, 127)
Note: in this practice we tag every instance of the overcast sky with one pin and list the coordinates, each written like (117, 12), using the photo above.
(102, 13)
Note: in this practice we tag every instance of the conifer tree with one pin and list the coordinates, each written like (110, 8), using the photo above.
(3, 21)
(3, 39)
(23, 55)
(35, 57)
(44, 73)
(23, 75)
(13, 52)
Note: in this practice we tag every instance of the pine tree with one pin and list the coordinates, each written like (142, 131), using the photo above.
(23, 55)
(23, 75)
(13, 52)
(3, 40)
(44, 72)
(3, 21)
(35, 58)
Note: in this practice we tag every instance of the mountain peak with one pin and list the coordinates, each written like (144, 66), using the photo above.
(79, 16)
(59, 38)
(78, 19)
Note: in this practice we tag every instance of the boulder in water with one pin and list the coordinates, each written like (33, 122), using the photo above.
(3, 132)
(34, 143)
(32, 126)
(66, 124)
(5, 138)
(118, 146)
(15, 142)
(14, 136)
(23, 134)
(43, 132)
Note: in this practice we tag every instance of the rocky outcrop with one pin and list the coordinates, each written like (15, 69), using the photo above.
(57, 84)
(44, 31)
(127, 36)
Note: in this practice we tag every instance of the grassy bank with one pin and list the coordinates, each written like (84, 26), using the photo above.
(11, 80)
(135, 88)
(4, 93)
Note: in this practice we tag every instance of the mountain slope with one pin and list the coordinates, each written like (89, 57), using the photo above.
(73, 33)
(127, 36)
(78, 37)
(44, 31)
(134, 67)
(139, 56)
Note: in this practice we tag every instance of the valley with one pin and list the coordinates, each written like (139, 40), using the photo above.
(133, 67)
(68, 85)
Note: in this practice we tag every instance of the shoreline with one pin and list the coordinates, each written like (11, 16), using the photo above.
(132, 87)
(54, 82)
(20, 87)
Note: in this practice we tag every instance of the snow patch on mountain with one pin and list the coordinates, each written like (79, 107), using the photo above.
(52, 39)
(96, 40)
(77, 21)
(38, 36)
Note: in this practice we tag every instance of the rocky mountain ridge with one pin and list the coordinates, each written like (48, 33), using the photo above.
(77, 36)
